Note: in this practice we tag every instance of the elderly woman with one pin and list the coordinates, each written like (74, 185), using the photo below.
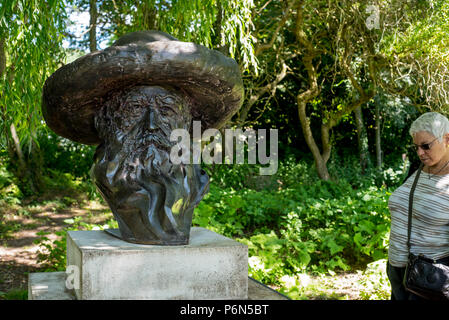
(430, 219)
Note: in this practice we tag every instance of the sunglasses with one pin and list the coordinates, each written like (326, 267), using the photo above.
(424, 146)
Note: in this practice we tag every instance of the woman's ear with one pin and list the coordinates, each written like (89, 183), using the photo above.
(446, 139)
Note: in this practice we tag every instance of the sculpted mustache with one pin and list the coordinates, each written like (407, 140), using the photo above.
(141, 137)
(151, 157)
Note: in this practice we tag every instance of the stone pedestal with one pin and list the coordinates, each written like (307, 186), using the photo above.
(52, 286)
(211, 266)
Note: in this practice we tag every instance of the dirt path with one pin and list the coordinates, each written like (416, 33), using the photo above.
(22, 223)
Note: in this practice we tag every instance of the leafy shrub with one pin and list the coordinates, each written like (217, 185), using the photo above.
(302, 287)
(305, 224)
(349, 170)
(52, 253)
(236, 176)
(6, 177)
(14, 294)
(292, 172)
(63, 155)
(9, 191)
(57, 180)
(335, 234)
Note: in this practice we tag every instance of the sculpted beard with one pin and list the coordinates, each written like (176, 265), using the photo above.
(151, 198)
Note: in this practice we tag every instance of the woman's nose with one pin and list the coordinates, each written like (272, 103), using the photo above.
(420, 151)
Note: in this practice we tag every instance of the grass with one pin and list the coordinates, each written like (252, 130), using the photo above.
(14, 294)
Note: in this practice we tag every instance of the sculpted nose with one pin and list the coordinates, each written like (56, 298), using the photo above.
(152, 121)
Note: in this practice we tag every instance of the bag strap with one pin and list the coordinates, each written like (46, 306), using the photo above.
(410, 206)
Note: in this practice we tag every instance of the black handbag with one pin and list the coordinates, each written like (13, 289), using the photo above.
(424, 276)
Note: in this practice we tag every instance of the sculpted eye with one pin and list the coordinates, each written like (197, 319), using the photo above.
(132, 110)
(167, 100)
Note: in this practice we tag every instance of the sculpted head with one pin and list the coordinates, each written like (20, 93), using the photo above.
(127, 99)
(152, 199)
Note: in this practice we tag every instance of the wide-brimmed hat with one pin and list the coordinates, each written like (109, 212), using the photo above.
(75, 92)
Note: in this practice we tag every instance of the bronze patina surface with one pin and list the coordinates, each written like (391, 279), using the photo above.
(127, 99)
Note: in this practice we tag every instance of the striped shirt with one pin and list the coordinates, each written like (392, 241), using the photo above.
(430, 219)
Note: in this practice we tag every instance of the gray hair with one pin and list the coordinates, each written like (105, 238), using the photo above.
(432, 122)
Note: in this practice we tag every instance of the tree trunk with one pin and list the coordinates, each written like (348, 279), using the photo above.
(2, 57)
(18, 149)
(149, 12)
(320, 159)
(27, 167)
(362, 139)
(93, 25)
(306, 96)
(377, 131)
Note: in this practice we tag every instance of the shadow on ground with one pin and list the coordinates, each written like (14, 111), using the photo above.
(21, 225)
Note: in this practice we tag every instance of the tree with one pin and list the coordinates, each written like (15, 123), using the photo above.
(345, 50)
(416, 51)
(333, 31)
(30, 51)
(222, 25)
(271, 20)
(93, 25)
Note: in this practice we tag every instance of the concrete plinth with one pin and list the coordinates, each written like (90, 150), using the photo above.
(211, 266)
(52, 286)
(48, 286)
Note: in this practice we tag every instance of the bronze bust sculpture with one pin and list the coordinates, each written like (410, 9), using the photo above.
(127, 99)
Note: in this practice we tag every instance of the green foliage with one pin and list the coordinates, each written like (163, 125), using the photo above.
(14, 294)
(32, 31)
(52, 253)
(305, 224)
(375, 283)
(347, 169)
(55, 180)
(63, 155)
(303, 287)
(224, 25)
(302, 226)
(421, 41)
(10, 193)
(371, 284)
